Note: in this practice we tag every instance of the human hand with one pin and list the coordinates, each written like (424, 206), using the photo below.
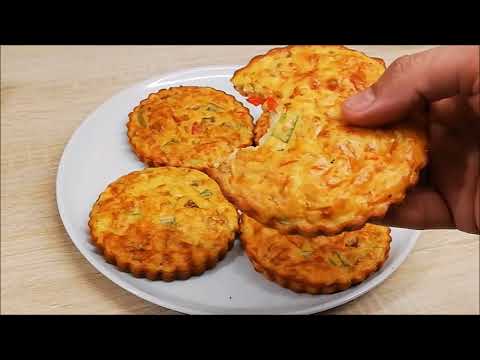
(439, 86)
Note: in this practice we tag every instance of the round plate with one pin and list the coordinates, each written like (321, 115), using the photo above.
(99, 152)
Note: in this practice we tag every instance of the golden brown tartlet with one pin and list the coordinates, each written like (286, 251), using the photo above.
(163, 223)
(319, 265)
(311, 174)
(299, 70)
(188, 126)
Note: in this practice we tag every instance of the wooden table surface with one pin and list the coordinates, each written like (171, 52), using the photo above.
(46, 92)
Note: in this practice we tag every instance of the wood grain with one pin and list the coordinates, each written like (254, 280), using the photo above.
(46, 92)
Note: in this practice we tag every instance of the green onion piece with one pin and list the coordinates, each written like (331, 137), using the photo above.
(332, 262)
(206, 193)
(171, 141)
(343, 261)
(167, 220)
(140, 119)
(214, 107)
(305, 253)
(284, 128)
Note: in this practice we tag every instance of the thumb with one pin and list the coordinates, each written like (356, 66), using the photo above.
(412, 82)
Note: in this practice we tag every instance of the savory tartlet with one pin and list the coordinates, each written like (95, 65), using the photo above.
(319, 265)
(163, 223)
(188, 126)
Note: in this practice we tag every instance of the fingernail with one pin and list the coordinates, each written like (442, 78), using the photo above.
(361, 101)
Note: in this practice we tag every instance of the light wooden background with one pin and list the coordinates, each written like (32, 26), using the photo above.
(46, 92)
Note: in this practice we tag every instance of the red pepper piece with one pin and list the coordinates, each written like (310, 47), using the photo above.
(270, 103)
(255, 100)
(196, 128)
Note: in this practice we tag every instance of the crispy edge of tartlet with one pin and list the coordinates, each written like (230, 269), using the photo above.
(261, 127)
(142, 271)
(297, 286)
(174, 162)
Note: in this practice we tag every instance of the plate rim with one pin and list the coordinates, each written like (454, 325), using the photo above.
(372, 283)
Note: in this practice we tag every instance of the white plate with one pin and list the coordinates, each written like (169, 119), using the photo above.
(98, 153)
